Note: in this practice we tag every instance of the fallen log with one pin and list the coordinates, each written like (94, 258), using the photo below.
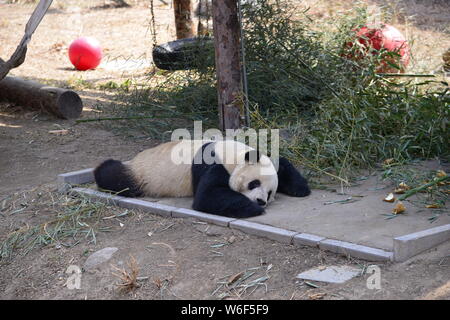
(63, 103)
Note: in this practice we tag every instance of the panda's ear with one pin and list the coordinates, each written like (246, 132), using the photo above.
(252, 156)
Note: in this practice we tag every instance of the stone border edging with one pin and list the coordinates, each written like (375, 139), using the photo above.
(404, 247)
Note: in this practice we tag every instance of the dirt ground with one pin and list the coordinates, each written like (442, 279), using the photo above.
(176, 258)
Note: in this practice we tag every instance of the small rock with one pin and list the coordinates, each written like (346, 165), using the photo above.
(214, 231)
(99, 257)
(331, 274)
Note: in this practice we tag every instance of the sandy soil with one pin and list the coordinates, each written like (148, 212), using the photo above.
(177, 259)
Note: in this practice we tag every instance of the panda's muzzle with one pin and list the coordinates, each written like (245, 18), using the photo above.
(261, 202)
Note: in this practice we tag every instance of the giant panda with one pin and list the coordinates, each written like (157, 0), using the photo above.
(226, 178)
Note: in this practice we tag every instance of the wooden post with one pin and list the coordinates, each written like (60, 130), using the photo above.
(183, 19)
(18, 56)
(226, 42)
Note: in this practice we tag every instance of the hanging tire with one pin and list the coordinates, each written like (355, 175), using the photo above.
(183, 54)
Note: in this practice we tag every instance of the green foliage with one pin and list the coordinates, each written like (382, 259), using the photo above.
(281, 56)
(112, 85)
(374, 124)
(338, 114)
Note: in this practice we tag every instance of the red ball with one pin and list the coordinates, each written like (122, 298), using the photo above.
(389, 38)
(85, 53)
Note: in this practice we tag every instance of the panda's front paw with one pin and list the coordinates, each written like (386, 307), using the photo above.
(299, 191)
(296, 188)
(250, 210)
(290, 181)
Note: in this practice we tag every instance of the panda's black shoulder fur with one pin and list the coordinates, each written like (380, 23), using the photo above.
(212, 193)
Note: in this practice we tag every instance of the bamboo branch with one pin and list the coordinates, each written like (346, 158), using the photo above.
(412, 75)
(423, 187)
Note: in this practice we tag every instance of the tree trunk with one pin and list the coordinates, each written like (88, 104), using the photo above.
(65, 104)
(226, 42)
(183, 18)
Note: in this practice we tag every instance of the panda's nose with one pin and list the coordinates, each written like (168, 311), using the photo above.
(261, 202)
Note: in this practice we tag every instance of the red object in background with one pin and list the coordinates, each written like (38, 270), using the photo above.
(389, 38)
(85, 53)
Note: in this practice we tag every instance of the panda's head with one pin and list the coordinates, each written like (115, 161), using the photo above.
(256, 178)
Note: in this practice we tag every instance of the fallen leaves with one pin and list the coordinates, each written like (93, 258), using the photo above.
(440, 173)
(399, 208)
(317, 296)
(402, 188)
(441, 179)
(235, 277)
(433, 206)
(389, 198)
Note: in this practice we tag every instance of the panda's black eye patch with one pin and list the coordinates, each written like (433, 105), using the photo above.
(254, 184)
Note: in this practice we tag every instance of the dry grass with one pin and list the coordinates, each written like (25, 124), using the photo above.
(242, 284)
(127, 279)
(52, 219)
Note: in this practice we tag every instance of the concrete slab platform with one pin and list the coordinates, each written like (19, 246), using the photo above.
(360, 222)
(356, 227)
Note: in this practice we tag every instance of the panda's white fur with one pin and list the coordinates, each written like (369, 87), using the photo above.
(226, 177)
(165, 170)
